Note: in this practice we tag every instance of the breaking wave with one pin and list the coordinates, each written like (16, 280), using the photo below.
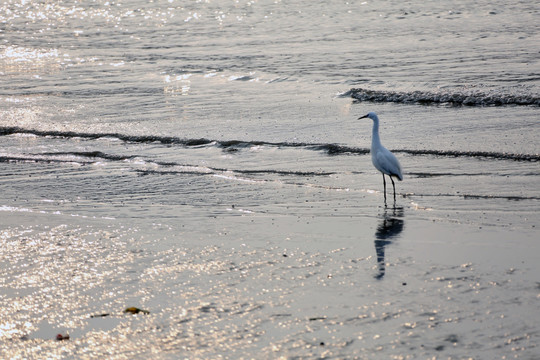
(464, 98)
(165, 167)
(235, 145)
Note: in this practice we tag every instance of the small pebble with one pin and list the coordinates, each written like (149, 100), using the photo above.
(134, 310)
(99, 315)
(61, 337)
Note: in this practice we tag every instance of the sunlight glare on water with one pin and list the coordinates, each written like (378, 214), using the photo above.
(189, 179)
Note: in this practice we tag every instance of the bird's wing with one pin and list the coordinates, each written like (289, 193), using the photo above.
(388, 163)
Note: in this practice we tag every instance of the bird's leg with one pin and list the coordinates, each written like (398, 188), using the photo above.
(394, 186)
(384, 184)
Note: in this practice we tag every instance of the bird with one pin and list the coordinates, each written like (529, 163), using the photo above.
(382, 158)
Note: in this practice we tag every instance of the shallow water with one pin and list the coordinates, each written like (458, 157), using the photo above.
(204, 162)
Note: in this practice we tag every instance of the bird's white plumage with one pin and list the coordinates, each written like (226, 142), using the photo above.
(382, 158)
(386, 162)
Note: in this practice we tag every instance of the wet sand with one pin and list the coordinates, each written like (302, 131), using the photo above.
(389, 282)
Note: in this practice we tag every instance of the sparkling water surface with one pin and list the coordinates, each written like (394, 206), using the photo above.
(203, 161)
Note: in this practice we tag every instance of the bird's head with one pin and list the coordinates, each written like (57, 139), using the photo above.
(370, 115)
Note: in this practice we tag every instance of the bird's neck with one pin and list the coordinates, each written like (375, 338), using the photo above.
(375, 139)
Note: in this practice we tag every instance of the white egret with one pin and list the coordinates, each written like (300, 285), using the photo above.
(382, 158)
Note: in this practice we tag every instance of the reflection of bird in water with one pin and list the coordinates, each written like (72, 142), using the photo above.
(390, 227)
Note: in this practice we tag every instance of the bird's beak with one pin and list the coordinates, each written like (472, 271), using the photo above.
(362, 117)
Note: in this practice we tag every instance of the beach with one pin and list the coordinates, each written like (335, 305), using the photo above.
(192, 181)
